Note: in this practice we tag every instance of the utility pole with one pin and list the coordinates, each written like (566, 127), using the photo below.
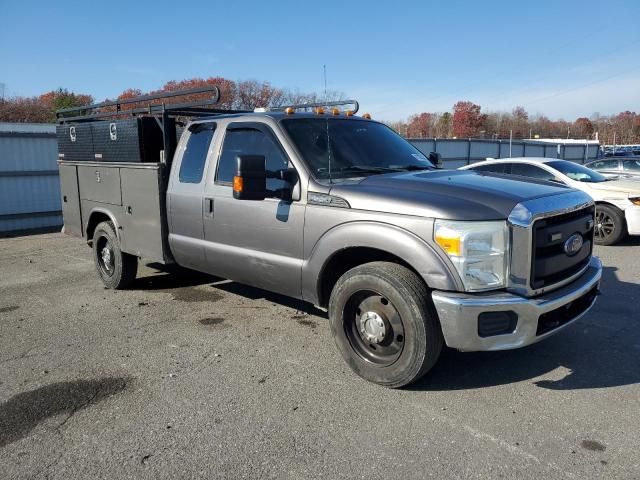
(3, 87)
(586, 151)
(510, 140)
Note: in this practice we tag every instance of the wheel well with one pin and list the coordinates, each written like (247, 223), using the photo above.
(345, 260)
(607, 204)
(94, 220)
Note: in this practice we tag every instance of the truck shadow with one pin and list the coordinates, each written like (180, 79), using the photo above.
(600, 350)
(171, 278)
(254, 293)
(630, 241)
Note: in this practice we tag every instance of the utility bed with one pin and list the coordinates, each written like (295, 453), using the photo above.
(114, 160)
(133, 192)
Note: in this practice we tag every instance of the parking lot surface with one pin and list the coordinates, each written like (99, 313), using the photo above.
(186, 375)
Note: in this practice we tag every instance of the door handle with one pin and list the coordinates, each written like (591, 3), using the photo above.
(208, 207)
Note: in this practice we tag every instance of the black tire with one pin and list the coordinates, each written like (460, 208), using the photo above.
(382, 288)
(116, 269)
(610, 227)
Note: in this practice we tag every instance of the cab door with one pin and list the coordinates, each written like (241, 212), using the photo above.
(185, 196)
(254, 242)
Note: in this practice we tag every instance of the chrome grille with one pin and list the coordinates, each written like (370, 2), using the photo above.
(550, 262)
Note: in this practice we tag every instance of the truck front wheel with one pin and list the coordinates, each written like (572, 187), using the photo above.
(116, 268)
(384, 323)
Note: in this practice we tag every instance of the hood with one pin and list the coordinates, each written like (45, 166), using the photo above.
(631, 187)
(450, 194)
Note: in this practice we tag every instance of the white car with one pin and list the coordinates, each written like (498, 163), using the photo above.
(617, 200)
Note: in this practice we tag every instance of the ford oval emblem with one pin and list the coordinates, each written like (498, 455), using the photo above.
(573, 244)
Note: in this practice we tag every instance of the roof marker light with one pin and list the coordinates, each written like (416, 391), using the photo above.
(349, 113)
(320, 110)
(367, 116)
(335, 111)
(289, 110)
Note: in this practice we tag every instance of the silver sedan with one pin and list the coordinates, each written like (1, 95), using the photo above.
(617, 167)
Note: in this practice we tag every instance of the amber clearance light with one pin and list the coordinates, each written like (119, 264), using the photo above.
(238, 184)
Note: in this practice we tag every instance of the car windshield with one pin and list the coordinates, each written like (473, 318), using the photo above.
(577, 172)
(343, 148)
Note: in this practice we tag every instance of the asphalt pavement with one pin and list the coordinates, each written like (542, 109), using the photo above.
(189, 376)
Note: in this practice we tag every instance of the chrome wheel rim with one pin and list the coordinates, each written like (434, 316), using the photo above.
(105, 256)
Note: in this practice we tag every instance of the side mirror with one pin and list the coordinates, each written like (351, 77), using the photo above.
(436, 159)
(250, 181)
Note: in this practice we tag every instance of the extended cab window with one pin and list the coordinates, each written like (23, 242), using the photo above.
(250, 141)
(531, 171)
(195, 154)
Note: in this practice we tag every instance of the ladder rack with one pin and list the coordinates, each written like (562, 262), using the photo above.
(110, 109)
(300, 106)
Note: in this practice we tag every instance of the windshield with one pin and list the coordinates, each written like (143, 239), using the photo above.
(577, 172)
(341, 148)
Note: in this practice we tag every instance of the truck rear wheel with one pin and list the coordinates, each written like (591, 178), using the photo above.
(116, 269)
(384, 323)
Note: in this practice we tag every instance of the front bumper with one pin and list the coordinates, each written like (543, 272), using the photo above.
(459, 313)
(632, 215)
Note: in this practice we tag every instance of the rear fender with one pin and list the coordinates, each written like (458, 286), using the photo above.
(92, 223)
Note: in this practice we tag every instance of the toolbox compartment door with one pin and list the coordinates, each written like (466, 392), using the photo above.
(99, 184)
(142, 220)
(70, 200)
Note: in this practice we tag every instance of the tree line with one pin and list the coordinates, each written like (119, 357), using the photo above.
(237, 95)
(467, 120)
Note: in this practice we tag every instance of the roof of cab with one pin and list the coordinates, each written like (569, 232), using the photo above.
(277, 115)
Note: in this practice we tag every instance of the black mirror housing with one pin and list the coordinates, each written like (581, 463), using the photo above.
(250, 181)
(436, 159)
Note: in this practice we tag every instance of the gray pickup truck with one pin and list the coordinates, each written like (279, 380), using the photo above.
(343, 213)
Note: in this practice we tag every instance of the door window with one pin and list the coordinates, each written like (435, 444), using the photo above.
(531, 171)
(605, 165)
(632, 165)
(250, 141)
(195, 153)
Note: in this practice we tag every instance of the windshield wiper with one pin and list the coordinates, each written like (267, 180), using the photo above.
(410, 168)
(359, 169)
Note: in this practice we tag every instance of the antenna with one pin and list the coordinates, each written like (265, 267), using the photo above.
(324, 68)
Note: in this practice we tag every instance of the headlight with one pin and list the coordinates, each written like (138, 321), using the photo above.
(478, 250)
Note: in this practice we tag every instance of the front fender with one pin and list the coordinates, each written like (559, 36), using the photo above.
(391, 239)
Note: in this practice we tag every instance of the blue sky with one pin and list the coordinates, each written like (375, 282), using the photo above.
(561, 58)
